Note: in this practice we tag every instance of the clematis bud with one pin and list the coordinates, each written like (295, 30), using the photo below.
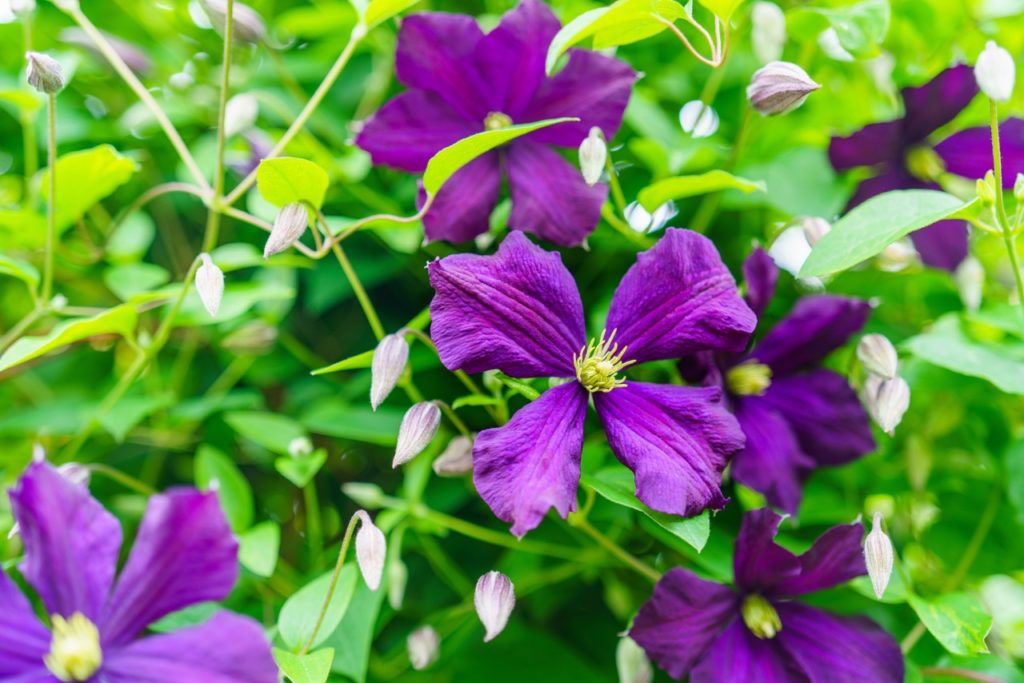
(457, 458)
(887, 401)
(44, 73)
(248, 24)
(897, 256)
(790, 249)
(878, 556)
(398, 577)
(815, 228)
(300, 447)
(240, 114)
(289, 225)
(986, 189)
(828, 41)
(632, 663)
(779, 88)
(970, 280)
(210, 284)
(1018, 187)
(389, 359)
(878, 355)
(768, 32)
(593, 156)
(23, 8)
(994, 71)
(642, 220)
(494, 599)
(418, 429)
(371, 549)
(424, 645)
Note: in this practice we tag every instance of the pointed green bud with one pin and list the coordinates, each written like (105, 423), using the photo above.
(1018, 187)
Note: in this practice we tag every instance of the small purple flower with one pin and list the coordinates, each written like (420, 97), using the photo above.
(184, 554)
(754, 632)
(461, 82)
(900, 151)
(796, 415)
(520, 312)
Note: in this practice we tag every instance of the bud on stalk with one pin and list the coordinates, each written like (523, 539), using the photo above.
(970, 281)
(210, 284)
(423, 645)
(815, 228)
(289, 225)
(887, 401)
(632, 663)
(878, 355)
(240, 114)
(878, 556)
(371, 549)
(418, 429)
(494, 599)
(593, 156)
(995, 72)
(457, 458)
(779, 88)
(44, 73)
(247, 23)
(389, 359)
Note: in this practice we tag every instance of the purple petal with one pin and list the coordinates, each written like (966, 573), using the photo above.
(184, 553)
(511, 57)
(682, 619)
(772, 461)
(738, 655)
(517, 311)
(677, 299)
(592, 87)
(226, 649)
(968, 153)
(942, 245)
(873, 144)
(550, 197)
(533, 463)
(817, 326)
(759, 564)
(71, 542)
(675, 439)
(937, 102)
(703, 368)
(835, 558)
(825, 414)
(24, 641)
(463, 206)
(435, 54)
(760, 275)
(411, 128)
(832, 649)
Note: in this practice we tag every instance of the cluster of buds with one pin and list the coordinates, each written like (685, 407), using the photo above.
(886, 394)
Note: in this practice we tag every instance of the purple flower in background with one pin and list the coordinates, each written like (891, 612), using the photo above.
(904, 160)
(796, 416)
(462, 82)
(754, 632)
(520, 312)
(184, 554)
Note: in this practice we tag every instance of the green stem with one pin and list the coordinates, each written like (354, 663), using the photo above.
(615, 186)
(953, 672)
(13, 334)
(1000, 208)
(493, 537)
(213, 218)
(51, 200)
(313, 530)
(357, 288)
(28, 135)
(615, 549)
(345, 542)
(120, 477)
(455, 419)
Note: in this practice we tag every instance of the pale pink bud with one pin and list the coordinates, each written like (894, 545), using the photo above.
(815, 229)
(248, 24)
(887, 400)
(878, 556)
(878, 355)
(418, 429)
(779, 87)
(240, 114)
(632, 662)
(494, 599)
(457, 458)
(371, 549)
(995, 72)
(44, 73)
(210, 284)
(970, 281)
(389, 359)
(593, 156)
(424, 646)
(289, 225)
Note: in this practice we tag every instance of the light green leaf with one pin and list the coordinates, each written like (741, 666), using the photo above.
(83, 179)
(301, 611)
(119, 320)
(957, 620)
(723, 9)
(359, 361)
(679, 187)
(130, 279)
(131, 410)
(25, 272)
(357, 422)
(518, 385)
(380, 11)
(259, 547)
(947, 345)
(270, 430)
(286, 180)
(861, 27)
(131, 239)
(872, 226)
(193, 615)
(213, 469)
(312, 668)
(354, 635)
(616, 485)
(445, 163)
(21, 103)
(474, 400)
(301, 470)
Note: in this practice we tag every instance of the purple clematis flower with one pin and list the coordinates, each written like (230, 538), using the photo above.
(755, 633)
(462, 81)
(796, 416)
(520, 312)
(900, 151)
(184, 554)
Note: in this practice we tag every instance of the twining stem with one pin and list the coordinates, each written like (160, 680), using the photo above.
(313, 530)
(125, 480)
(466, 380)
(493, 537)
(1000, 207)
(51, 200)
(345, 542)
(953, 672)
(357, 287)
(213, 217)
(13, 334)
(615, 186)
(612, 547)
(455, 419)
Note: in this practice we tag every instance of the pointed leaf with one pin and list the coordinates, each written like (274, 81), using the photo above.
(287, 180)
(314, 667)
(679, 187)
(119, 320)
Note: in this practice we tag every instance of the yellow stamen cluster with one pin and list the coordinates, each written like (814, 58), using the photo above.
(748, 379)
(497, 120)
(924, 163)
(760, 617)
(75, 653)
(598, 363)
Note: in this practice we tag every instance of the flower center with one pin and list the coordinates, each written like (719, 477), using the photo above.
(924, 164)
(496, 120)
(598, 363)
(75, 648)
(748, 379)
(760, 617)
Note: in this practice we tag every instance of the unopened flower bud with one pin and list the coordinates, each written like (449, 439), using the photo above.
(44, 73)
(300, 447)
(887, 401)
(878, 556)
(240, 114)
(768, 32)
(75, 473)
(593, 156)
(1018, 187)
(389, 359)
(631, 662)
(995, 71)
(828, 41)
(897, 256)
(494, 599)
(418, 429)
(878, 355)
(779, 87)
(210, 284)
(424, 645)
(457, 458)
(790, 249)
(970, 281)
(289, 225)
(642, 220)
(23, 8)
(815, 228)
(371, 549)
(398, 577)
(248, 24)
(369, 496)
(987, 190)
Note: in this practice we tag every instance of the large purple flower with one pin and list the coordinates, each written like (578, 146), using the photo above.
(900, 152)
(755, 633)
(796, 415)
(184, 554)
(462, 82)
(519, 312)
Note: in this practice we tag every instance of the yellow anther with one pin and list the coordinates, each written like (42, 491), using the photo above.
(598, 364)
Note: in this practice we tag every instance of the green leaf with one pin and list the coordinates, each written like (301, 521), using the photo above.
(270, 430)
(445, 163)
(301, 611)
(286, 180)
(872, 226)
(1014, 462)
(957, 620)
(130, 279)
(131, 410)
(616, 485)
(213, 469)
(358, 422)
(131, 239)
(83, 179)
(193, 615)
(861, 27)
(380, 11)
(474, 400)
(259, 547)
(354, 635)
(518, 385)
(948, 345)
(359, 361)
(723, 9)
(679, 187)
(119, 320)
(301, 470)
(25, 272)
(312, 668)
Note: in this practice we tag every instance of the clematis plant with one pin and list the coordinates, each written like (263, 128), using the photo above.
(462, 82)
(184, 554)
(520, 312)
(755, 631)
